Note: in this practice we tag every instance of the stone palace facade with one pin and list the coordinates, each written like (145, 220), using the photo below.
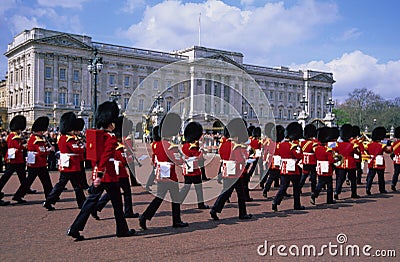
(48, 75)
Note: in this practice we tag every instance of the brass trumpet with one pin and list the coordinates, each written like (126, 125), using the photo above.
(338, 159)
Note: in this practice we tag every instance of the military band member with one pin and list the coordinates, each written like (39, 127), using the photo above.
(309, 161)
(358, 156)
(14, 156)
(256, 153)
(154, 144)
(78, 129)
(38, 150)
(168, 156)
(290, 152)
(123, 176)
(234, 170)
(348, 165)
(224, 151)
(376, 163)
(325, 158)
(104, 176)
(71, 151)
(195, 158)
(396, 158)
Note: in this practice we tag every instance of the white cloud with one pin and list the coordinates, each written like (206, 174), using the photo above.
(246, 2)
(172, 25)
(350, 34)
(358, 70)
(131, 6)
(6, 5)
(20, 23)
(64, 4)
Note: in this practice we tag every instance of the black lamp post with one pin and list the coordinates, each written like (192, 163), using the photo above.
(304, 103)
(115, 94)
(95, 65)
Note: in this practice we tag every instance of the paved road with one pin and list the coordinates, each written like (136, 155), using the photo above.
(30, 233)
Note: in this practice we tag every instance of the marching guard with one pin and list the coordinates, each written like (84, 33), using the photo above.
(358, 156)
(154, 144)
(14, 157)
(71, 152)
(78, 128)
(396, 158)
(309, 161)
(104, 175)
(38, 150)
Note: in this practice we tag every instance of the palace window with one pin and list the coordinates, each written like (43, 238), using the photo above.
(47, 98)
(62, 98)
(76, 100)
(76, 75)
(126, 81)
(112, 80)
(141, 102)
(62, 73)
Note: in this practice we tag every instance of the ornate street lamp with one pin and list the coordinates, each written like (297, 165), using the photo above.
(95, 65)
(330, 105)
(115, 94)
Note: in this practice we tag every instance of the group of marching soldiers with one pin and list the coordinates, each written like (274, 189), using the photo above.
(282, 156)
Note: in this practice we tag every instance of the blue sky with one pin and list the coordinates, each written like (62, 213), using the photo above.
(356, 40)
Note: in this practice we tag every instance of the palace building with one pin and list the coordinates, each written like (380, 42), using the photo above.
(48, 75)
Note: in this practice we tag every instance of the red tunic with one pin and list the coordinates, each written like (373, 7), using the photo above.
(15, 141)
(106, 162)
(120, 156)
(290, 154)
(396, 151)
(307, 146)
(38, 146)
(270, 150)
(192, 150)
(375, 150)
(324, 153)
(168, 152)
(239, 154)
(347, 150)
(68, 145)
(358, 156)
(225, 148)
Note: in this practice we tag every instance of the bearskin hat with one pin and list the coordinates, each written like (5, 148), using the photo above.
(257, 132)
(106, 114)
(379, 133)
(193, 131)
(226, 132)
(118, 126)
(356, 131)
(322, 134)
(79, 124)
(237, 128)
(170, 125)
(346, 131)
(250, 130)
(41, 124)
(279, 133)
(67, 122)
(310, 131)
(294, 131)
(18, 123)
(155, 133)
(397, 132)
(269, 128)
(333, 134)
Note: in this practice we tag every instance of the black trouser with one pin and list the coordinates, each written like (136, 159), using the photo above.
(127, 193)
(162, 189)
(10, 169)
(230, 184)
(270, 177)
(359, 172)
(381, 179)
(285, 181)
(34, 172)
(309, 170)
(322, 182)
(197, 181)
(341, 177)
(74, 178)
(90, 203)
(82, 177)
(132, 175)
(52, 161)
(396, 173)
(266, 176)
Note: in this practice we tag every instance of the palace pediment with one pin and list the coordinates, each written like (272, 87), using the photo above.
(323, 78)
(64, 40)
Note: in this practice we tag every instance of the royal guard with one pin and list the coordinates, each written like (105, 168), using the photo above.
(156, 142)
(78, 130)
(104, 174)
(168, 156)
(267, 147)
(347, 167)
(376, 163)
(121, 164)
(309, 161)
(396, 158)
(358, 156)
(290, 152)
(38, 150)
(224, 150)
(14, 156)
(234, 170)
(255, 153)
(325, 159)
(71, 152)
(194, 158)
(273, 159)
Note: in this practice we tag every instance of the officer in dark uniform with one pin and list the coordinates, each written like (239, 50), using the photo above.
(290, 152)
(168, 156)
(191, 172)
(14, 157)
(71, 151)
(38, 150)
(234, 170)
(104, 176)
